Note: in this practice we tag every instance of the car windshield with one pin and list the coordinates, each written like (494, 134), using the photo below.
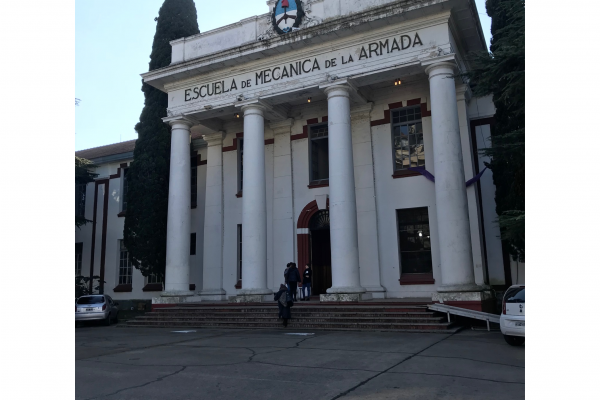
(515, 295)
(90, 300)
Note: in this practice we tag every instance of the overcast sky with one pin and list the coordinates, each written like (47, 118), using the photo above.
(113, 41)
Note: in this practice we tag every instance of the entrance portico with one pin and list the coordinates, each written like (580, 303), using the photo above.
(270, 99)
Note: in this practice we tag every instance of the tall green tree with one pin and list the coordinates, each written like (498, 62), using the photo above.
(145, 231)
(83, 176)
(501, 72)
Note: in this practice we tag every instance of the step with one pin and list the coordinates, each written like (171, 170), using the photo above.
(451, 328)
(298, 309)
(432, 325)
(299, 319)
(295, 312)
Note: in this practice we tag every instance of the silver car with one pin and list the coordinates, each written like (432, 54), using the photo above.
(96, 307)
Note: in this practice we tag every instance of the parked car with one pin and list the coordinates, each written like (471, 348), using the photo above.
(512, 319)
(96, 307)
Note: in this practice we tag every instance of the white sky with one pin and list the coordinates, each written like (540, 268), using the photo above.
(113, 41)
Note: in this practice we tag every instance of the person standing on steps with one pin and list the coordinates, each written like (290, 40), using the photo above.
(285, 274)
(306, 282)
(283, 299)
(293, 277)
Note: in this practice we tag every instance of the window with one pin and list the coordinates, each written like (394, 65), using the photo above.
(153, 278)
(240, 164)
(193, 244)
(80, 200)
(319, 154)
(239, 252)
(90, 300)
(124, 265)
(78, 258)
(414, 241)
(125, 187)
(515, 295)
(407, 132)
(194, 175)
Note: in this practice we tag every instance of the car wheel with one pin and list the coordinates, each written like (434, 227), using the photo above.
(514, 340)
(107, 320)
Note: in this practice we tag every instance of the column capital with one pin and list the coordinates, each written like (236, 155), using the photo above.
(260, 107)
(253, 109)
(440, 68)
(336, 90)
(344, 88)
(281, 127)
(463, 92)
(214, 139)
(179, 120)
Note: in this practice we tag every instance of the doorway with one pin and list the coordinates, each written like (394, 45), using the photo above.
(320, 252)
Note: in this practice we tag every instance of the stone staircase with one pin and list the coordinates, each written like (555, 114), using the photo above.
(397, 317)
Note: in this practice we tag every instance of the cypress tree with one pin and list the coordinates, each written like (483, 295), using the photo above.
(501, 72)
(145, 231)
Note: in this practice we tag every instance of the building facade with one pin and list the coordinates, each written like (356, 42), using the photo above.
(326, 132)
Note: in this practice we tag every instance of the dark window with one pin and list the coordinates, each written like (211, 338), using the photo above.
(240, 164)
(414, 241)
(319, 154)
(194, 175)
(239, 251)
(125, 186)
(91, 300)
(153, 278)
(515, 295)
(78, 258)
(407, 136)
(80, 200)
(193, 244)
(124, 265)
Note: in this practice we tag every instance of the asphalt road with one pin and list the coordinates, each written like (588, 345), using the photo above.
(135, 363)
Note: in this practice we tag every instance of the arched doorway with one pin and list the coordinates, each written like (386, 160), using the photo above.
(320, 251)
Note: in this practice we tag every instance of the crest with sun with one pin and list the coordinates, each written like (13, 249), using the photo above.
(287, 15)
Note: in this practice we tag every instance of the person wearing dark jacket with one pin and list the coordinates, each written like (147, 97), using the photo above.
(285, 273)
(281, 297)
(306, 282)
(292, 279)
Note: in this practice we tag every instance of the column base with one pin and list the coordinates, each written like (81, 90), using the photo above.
(346, 289)
(481, 300)
(170, 298)
(251, 292)
(251, 298)
(213, 295)
(377, 292)
(344, 297)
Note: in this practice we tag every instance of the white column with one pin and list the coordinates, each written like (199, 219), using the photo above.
(450, 192)
(342, 198)
(212, 265)
(254, 204)
(177, 276)
(476, 229)
(283, 202)
(366, 209)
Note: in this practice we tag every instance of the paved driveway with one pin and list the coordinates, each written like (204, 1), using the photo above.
(136, 363)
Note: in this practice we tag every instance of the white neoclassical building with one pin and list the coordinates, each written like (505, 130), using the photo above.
(335, 133)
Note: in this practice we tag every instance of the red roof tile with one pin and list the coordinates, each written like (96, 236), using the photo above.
(116, 148)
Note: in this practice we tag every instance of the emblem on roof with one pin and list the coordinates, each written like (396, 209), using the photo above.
(287, 16)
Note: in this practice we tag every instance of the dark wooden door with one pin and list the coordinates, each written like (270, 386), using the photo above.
(321, 261)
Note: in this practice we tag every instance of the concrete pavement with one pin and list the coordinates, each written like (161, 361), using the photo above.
(136, 363)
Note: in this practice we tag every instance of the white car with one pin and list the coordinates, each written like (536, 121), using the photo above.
(512, 319)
